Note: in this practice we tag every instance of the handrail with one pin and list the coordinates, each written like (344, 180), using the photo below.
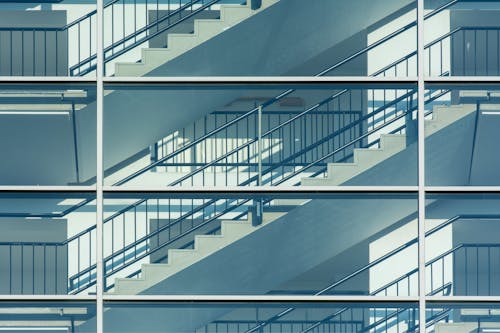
(207, 204)
(246, 182)
(141, 31)
(282, 95)
(269, 102)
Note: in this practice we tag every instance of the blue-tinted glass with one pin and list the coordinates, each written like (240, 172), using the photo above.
(47, 134)
(52, 316)
(260, 317)
(315, 135)
(48, 38)
(260, 37)
(461, 135)
(252, 244)
(462, 38)
(462, 247)
(47, 243)
(462, 317)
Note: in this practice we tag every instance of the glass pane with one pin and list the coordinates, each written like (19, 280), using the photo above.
(260, 38)
(323, 244)
(48, 38)
(462, 247)
(260, 317)
(461, 135)
(47, 243)
(208, 135)
(462, 318)
(47, 317)
(47, 134)
(462, 39)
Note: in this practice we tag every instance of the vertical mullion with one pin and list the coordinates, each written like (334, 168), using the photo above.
(99, 169)
(421, 164)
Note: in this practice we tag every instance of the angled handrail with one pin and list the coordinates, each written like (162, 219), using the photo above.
(246, 182)
(278, 97)
(138, 32)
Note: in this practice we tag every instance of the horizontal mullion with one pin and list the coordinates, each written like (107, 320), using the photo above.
(47, 79)
(259, 298)
(48, 189)
(259, 189)
(260, 79)
(46, 298)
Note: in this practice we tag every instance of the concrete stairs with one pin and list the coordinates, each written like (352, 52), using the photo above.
(179, 43)
(390, 145)
(231, 231)
(204, 246)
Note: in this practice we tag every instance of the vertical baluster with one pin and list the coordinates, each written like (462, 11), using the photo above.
(34, 56)
(22, 52)
(90, 44)
(124, 6)
(466, 273)
(33, 269)
(123, 237)
(57, 52)
(56, 270)
(112, 28)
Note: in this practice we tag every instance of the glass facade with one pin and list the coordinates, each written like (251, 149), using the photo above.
(249, 166)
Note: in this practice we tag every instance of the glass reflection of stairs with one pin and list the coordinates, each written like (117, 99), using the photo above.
(204, 29)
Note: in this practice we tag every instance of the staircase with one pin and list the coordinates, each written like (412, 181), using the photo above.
(204, 29)
(204, 246)
(390, 146)
(338, 173)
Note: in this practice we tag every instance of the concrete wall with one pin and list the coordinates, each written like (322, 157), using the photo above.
(33, 53)
(475, 53)
(33, 270)
(37, 150)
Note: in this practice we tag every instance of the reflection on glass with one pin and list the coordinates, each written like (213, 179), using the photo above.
(48, 317)
(461, 135)
(462, 247)
(260, 317)
(47, 134)
(47, 243)
(462, 318)
(323, 244)
(48, 38)
(462, 38)
(227, 135)
(172, 38)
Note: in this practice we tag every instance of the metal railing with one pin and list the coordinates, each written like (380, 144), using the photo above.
(87, 274)
(44, 50)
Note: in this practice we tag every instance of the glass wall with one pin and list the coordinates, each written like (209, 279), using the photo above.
(249, 166)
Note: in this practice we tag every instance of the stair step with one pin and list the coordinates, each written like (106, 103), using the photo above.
(179, 43)
(208, 243)
(231, 14)
(206, 29)
(393, 141)
(182, 257)
(446, 115)
(130, 69)
(155, 56)
(233, 229)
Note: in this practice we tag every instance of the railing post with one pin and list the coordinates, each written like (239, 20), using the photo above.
(257, 208)
(411, 130)
(153, 154)
(75, 142)
(255, 4)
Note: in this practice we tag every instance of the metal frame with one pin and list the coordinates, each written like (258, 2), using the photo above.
(100, 189)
